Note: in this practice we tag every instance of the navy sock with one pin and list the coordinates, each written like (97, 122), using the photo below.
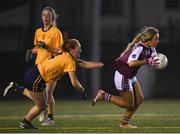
(26, 121)
(50, 116)
(19, 88)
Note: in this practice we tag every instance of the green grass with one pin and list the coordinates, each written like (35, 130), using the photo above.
(153, 116)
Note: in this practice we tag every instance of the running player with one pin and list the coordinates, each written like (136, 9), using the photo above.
(138, 53)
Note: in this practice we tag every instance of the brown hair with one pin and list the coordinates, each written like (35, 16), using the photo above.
(144, 35)
(69, 44)
(54, 15)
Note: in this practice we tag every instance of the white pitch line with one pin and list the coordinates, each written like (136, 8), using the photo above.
(157, 116)
(92, 128)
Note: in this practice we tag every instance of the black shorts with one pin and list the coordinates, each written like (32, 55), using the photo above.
(33, 80)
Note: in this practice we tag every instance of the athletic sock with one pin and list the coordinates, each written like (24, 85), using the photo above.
(51, 116)
(107, 97)
(19, 88)
(26, 121)
(125, 120)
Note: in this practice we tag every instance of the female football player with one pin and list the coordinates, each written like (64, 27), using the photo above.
(138, 53)
(48, 40)
(49, 71)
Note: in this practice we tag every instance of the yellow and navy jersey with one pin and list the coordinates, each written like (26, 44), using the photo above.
(53, 68)
(52, 38)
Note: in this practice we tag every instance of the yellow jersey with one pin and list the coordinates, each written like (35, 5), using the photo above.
(52, 38)
(53, 68)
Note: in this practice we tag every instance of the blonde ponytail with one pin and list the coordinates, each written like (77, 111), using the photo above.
(145, 34)
(131, 44)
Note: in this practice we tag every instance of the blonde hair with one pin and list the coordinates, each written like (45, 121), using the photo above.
(54, 15)
(145, 34)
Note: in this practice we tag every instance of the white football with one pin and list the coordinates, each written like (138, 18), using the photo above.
(162, 60)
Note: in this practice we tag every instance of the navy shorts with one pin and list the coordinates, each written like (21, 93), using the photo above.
(33, 80)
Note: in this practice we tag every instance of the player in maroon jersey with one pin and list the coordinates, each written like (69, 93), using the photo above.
(139, 52)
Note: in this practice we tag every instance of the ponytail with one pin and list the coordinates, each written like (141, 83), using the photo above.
(145, 34)
(131, 44)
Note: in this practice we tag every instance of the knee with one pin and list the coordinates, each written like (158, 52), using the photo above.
(49, 92)
(50, 97)
(129, 105)
(140, 100)
(43, 107)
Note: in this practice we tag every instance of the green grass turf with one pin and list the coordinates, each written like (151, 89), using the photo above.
(153, 116)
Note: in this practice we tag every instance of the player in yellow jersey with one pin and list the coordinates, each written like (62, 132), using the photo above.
(50, 70)
(47, 41)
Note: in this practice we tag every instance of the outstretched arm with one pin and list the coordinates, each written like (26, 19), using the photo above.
(77, 85)
(89, 64)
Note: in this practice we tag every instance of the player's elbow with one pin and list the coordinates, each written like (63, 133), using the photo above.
(131, 64)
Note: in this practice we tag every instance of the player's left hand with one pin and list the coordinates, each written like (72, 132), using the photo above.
(84, 95)
(29, 55)
(153, 61)
(42, 44)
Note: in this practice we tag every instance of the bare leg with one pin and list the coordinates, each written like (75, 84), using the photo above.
(129, 100)
(51, 102)
(125, 101)
(40, 104)
(138, 97)
(51, 106)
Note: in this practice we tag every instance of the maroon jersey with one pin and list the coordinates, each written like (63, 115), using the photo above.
(138, 52)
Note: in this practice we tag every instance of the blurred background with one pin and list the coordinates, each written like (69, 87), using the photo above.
(103, 27)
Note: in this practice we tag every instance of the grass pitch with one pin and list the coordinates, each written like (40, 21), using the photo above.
(153, 116)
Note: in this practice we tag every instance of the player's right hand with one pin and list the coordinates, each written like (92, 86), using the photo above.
(42, 44)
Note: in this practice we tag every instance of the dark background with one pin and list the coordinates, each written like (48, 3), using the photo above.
(104, 27)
